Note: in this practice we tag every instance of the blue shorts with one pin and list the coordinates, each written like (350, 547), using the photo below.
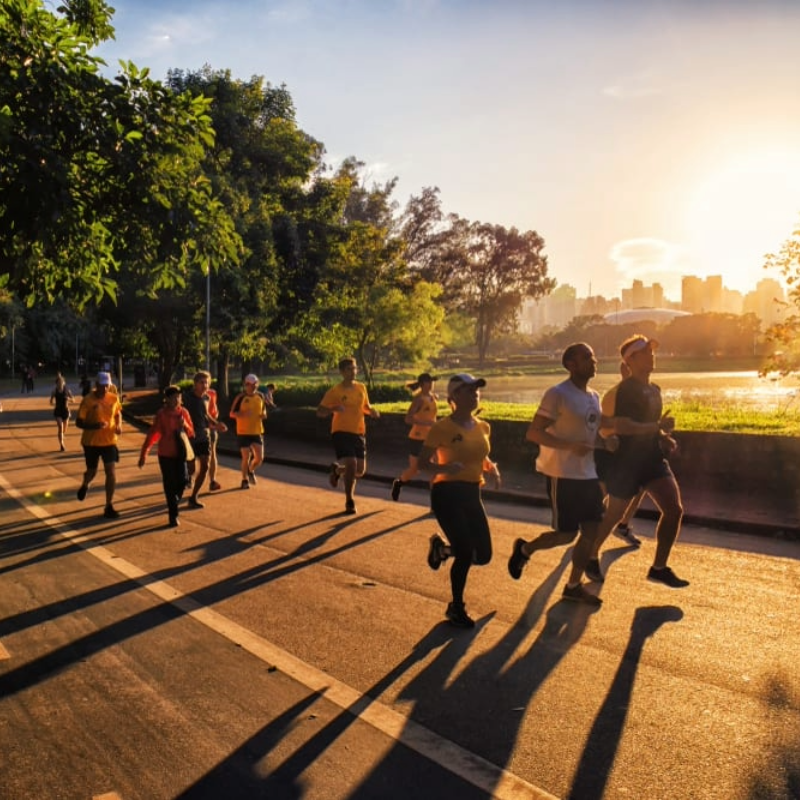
(574, 502)
(349, 445)
(109, 454)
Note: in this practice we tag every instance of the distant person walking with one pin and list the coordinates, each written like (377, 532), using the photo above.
(100, 419)
(197, 401)
(645, 436)
(421, 416)
(347, 404)
(168, 422)
(213, 437)
(249, 409)
(456, 451)
(566, 427)
(61, 397)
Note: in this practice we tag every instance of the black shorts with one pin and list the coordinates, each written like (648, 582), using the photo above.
(626, 478)
(109, 454)
(349, 445)
(201, 448)
(574, 502)
(59, 414)
(245, 440)
(415, 447)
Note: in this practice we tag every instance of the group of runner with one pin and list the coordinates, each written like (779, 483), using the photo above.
(598, 459)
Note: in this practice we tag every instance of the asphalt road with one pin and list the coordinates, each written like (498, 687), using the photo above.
(274, 648)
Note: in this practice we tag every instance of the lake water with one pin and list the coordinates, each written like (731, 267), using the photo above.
(744, 389)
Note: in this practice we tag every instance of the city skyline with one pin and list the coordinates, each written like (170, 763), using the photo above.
(639, 139)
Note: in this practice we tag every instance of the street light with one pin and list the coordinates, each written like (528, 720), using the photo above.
(208, 317)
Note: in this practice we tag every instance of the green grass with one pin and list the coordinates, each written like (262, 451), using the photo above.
(689, 416)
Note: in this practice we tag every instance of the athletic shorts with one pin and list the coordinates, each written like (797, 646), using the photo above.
(202, 448)
(415, 447)
(61, 414)
(109, 454)
(349, 445)
(574, 502)
(626, 478)
(245, 440)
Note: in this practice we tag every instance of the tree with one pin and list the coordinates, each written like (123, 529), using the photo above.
(504, 267)
(96, 176)
(785, 335)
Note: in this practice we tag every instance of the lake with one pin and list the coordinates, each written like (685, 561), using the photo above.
(744, 389)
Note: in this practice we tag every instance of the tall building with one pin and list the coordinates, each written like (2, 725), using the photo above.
(767, 302)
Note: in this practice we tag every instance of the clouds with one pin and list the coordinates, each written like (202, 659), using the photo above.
(634, 87)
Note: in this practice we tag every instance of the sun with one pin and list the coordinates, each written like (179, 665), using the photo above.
(741, 212)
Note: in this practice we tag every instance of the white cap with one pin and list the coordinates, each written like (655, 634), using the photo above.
(103, 379)
(463, 379)
(251, 379)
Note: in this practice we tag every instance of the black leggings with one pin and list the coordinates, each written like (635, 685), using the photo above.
(173, 478)
(460, 513)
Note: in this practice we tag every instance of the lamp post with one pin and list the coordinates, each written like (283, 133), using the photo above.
(208, 317)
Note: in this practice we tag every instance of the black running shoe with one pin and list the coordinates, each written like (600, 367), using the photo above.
(667, 577)
(593, 572)
(517, 561)
(195, 503)
(350, 507)
(397, 485)
(457, 615)
(110, 512)
(580, 595)
(626, 534)
(245, 484)
(436, 552)
(82, 492)
(251, 476)
(333, 475)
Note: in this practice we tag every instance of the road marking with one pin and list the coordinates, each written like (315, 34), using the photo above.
(4, 654)
(107, 796)
(478, 771)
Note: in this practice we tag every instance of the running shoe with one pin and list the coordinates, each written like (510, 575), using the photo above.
(214, 486)
(436, 554)
(593, 572)
(110, 512)
(333, 474)
(82, 492)
(174, 522)
(579, 594)
(625, 533)
(457, 615)
(245, 484)
(666, 576)
(517, 561)
(350, 507)
(397, 485)
(195, 503)
(251, 476)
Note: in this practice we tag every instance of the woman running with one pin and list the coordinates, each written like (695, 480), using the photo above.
(61, 397)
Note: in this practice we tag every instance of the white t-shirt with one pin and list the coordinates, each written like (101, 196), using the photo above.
(576, 418)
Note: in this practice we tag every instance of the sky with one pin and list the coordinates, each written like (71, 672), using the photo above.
(642, 139)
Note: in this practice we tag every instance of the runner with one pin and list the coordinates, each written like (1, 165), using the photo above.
(456, 451)
(197, 402)
(213, 436)
(61, 397)
(645, 434)
(100, 419)
(347, 403)
(566, 427)
(168, 422)
(421, 416)
(249, 409)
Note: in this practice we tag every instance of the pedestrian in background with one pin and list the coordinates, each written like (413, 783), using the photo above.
(421, 416)
(347, 404)
(61, 397)
(456, 451)
(169, 421)
(197, 401)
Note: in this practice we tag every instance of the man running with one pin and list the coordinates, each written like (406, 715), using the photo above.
(197, 402)
(100, 419)
(249, 409)
(347, 403)
(566, 427)
(645, 438)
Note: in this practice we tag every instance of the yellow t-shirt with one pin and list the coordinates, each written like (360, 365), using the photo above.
(93, 410)
(425, 413)
(469, 446)
(356, 405)
(252, 411)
